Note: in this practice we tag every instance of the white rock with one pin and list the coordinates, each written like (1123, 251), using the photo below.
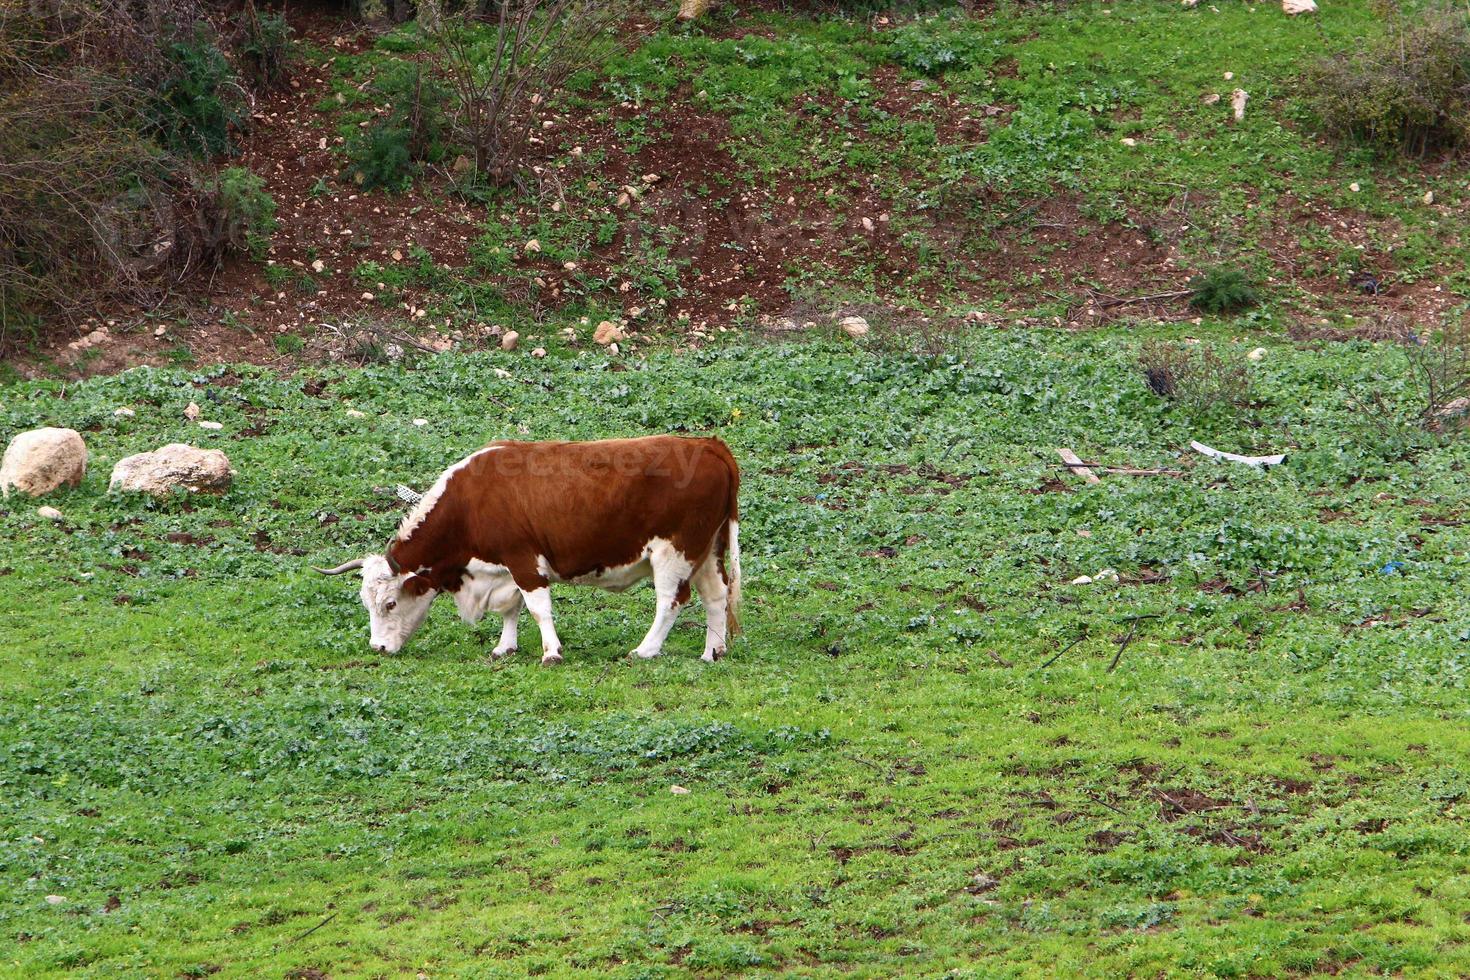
(124, 412)
(1106, 575)
(509, 340)
(41, 460)
(1082, 580)
(191, 412)
(1355, 187)
(172, 466)
(502, 373)
(1128, 141)
(539, 352)
(1294, 7)
(1238, 99)
(421, 422)
(607, 332)
(678, 790)
(50, 513)
(1429, 197)
(854, 326)
(212, 426)
(1257, 354)
(55, 899)
(534, 245)
(355, 414)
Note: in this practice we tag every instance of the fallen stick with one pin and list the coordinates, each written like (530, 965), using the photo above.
(1112, 301)
(1076, 465)
(1201, 448)
(1128, 470)
(1064, 649)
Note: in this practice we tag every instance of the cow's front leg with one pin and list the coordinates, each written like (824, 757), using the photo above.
(538, 603)
(508, 633)
(671, 587)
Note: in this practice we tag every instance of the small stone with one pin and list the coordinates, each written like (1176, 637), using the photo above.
(539, 352)
(397, 255)
(191, 411)
(678, 790)
(55, 899)
(50, 513)
(1229, 76)
(369, 297)
(1429, 197)
(509, 340)
(353, 413)
(1082, 580)
(1355, 187)
(124, 412)
(1128, 141)
(854, 326)
(868, 224)
(1238, 99)
(534, 245)
(1257, 354)
(318, 266)
(212, 426)
(1294, 7)
(1210, 98)
(421, 422)
(1106, 575)
(607, 332)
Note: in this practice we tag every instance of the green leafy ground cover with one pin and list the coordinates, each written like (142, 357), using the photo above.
(201, 757)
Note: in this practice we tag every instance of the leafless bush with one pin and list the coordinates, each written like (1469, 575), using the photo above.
(1439, 369)
(504, 69)
(1194, 376)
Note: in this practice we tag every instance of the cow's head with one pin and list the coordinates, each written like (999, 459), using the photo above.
(396, 601)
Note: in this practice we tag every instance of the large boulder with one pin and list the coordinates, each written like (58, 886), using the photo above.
(41, 460)
(175, 465)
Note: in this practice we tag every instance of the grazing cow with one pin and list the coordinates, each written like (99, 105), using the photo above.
(498, 527)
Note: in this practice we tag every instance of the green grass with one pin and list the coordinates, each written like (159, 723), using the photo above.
(200, 754)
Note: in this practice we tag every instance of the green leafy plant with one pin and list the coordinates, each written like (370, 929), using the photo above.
(388, 153)
(199, 102)
(1407, 89)
(265, 48)
(934, 46)
(246, 211)
(1222, 290)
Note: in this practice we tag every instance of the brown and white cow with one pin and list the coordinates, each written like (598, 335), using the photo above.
(500, 526)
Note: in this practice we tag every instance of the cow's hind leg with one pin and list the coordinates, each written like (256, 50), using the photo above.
(709, 579)
(671, 589)
(508, 633)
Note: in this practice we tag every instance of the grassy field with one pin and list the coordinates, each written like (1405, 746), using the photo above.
(200, 757)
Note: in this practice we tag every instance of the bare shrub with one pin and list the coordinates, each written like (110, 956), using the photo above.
(1194, 376)
(1439, 369)
(1408, 89)
(504, 68)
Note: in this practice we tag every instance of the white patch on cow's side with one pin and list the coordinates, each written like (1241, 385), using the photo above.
(392, 615)
(486, 588)
(430, 500)
(671, 569)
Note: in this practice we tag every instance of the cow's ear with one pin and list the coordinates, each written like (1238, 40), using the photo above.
(417, 585)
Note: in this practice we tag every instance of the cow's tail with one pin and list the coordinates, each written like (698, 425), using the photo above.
(732, 542)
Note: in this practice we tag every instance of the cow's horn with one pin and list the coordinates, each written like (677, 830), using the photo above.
(346, 566)
(408, 495)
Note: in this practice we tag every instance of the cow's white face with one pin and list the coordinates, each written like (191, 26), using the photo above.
(396, 607)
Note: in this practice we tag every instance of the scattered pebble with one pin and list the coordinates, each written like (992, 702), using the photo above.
(1355, 187)
(355, 414)
(509, 340)
(213, 426)
(55, 899)
(1082, 580)
(191, 412)
(420, 422)
(124, 412)
(539, 352)
(678, 790)
(854, 326)
(50, 513)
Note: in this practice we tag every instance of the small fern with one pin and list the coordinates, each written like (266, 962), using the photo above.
(1222, 290)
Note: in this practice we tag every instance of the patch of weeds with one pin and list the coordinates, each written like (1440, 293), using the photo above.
(247, 211)
(288, 343)
(199, 102)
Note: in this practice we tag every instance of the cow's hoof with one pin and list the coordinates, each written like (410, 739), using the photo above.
(501, 652)
(551, 659)
(710, 656)
(643, 654)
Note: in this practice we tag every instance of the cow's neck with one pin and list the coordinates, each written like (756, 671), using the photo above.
(429, 543)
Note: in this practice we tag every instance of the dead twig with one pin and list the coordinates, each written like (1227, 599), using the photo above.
(314, 928)
(1082, 636)
(1133, 622)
